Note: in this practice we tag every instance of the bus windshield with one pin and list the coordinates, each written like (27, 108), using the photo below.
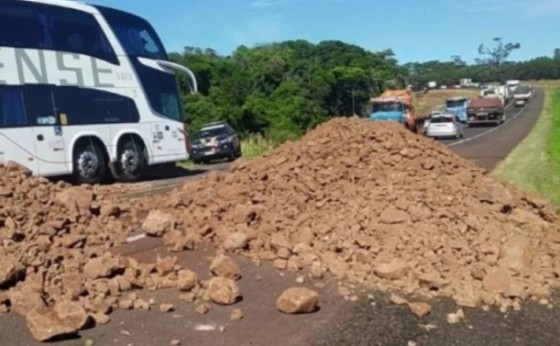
(139, 40)
(136, 35)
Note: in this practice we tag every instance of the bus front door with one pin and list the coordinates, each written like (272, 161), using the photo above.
(47, 131)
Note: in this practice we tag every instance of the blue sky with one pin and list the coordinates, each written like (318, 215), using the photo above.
(417, 30)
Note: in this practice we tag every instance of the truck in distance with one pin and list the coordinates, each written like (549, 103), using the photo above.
(396, 105)
(488, 110)
(522, 95)
(458, 106)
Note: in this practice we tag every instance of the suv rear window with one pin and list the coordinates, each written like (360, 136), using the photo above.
(441, 120)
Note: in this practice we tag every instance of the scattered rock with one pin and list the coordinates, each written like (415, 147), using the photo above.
(165, 308)
(101, 267)
(157, 223)
(420, 309)
(236, 315)
(165, 266)
(63, 319)
(203, 308)
(393, 270)
(298, 300)
(225, 267)
(223, 291)
(236, 241)
(140, 304)
(453, 318)
(175, 342)
(397, 300)
(186, 280)
(188, 297)
(101, 318)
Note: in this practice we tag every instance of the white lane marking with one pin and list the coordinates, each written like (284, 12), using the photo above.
(135, 238)
(489, 131)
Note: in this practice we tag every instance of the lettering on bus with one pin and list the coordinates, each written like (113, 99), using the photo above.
(39, 76)
(76, 70)
(31, 67)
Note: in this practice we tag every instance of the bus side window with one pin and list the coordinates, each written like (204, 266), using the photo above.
(22, 25)
(12, 108)
(79, 32)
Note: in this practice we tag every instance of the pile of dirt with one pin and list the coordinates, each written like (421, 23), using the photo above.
(56, 267)
(375, 205)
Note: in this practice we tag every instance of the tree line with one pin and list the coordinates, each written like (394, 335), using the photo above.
(281, 90)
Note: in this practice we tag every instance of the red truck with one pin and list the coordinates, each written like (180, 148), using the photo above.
(485, 111)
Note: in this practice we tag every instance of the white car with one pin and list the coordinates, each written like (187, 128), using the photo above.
(445, 126)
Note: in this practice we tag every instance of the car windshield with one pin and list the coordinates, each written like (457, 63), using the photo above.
(522, 90)
(386, 107)
(440, 120)
(455, 103)
(206, 133)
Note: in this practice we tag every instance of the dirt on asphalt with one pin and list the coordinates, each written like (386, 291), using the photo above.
(374, 205)
(369, 204)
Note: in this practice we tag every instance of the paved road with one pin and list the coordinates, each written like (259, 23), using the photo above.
(338, 322)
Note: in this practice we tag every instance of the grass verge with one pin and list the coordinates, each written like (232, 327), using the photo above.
(256, 145)
(535, 164)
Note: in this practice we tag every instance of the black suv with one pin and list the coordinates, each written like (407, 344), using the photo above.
(215, 141)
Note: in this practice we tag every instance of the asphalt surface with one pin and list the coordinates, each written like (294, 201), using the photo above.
(338, 322)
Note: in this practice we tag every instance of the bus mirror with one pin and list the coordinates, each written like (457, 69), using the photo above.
(180, 69)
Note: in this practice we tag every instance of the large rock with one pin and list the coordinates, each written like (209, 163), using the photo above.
(223, 291)
(64, 318)
(224, 266)
(11, 269)
(102, 267)
(500, 281)
(166, 265)
(24, 300)
(157, 223)
(176, 241)
(298, 300)
(186, 280)
(235, 241)
(76, 199)
(393, 270)
(517, 253)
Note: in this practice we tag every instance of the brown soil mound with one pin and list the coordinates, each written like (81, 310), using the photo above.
(374, 204)
(55, 242)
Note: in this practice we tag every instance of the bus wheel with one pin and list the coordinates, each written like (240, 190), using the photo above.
(131, 161)
(89, 164)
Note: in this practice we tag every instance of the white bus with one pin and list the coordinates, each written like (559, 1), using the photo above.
(85, 91)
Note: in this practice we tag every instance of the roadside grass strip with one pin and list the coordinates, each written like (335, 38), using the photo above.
(534, 165)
